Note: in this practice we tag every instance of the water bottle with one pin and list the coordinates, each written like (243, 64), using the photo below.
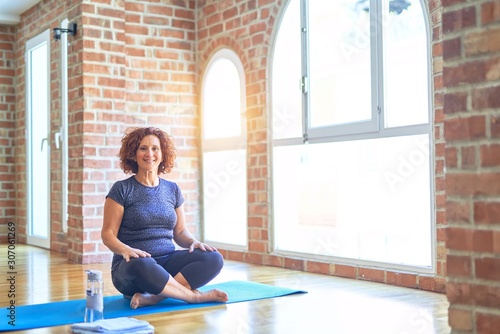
(95, 301)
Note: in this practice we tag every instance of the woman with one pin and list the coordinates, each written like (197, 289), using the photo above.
(143, 216)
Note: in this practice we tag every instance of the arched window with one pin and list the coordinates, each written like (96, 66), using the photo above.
(224, 151)
(352, 167)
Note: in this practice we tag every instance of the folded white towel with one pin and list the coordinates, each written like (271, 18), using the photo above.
(114, 326)
(150, 330)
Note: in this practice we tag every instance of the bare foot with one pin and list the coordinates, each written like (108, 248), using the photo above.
(195, 297)
(144, 299)
(214, 295)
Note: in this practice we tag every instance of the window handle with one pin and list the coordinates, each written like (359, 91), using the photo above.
(43, 141)
(304, 84)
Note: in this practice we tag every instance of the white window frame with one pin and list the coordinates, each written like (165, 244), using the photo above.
(226, 143)
(40, 241)
(375, 128)
(320, 134)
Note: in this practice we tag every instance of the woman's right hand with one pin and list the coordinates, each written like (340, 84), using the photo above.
(129, 252)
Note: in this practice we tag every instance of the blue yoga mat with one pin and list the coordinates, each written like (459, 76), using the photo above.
(72, 311)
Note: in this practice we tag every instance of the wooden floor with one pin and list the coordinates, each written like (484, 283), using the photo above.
(332, 304)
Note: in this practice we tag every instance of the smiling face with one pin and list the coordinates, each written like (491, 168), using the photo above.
(149, 155)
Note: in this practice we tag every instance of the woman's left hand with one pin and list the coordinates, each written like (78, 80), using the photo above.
(204, 247)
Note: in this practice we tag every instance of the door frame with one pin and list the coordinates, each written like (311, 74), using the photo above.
(40, 241)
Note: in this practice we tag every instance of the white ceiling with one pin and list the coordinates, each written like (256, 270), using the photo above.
(11, 10)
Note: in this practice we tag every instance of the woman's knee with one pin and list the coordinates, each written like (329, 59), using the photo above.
(217, 260)
(139, 265)
(201, 271)
(213, 260)
(141, 275)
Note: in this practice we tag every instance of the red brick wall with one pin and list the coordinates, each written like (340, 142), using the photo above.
(43, 16)
(437, 283)
(130, 64)
(471, 52)
(138, 69)
(248, 27)
(136, 63)
(7, 128)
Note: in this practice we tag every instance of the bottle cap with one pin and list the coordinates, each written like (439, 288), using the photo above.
(94, 275)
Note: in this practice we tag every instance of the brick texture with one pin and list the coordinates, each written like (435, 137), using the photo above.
(131, 64)
(436, 282)
(471, 102)
(141, 62)
(247, 27)
(7, 130)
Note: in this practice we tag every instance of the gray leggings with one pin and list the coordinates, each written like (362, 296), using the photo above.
(148, 274)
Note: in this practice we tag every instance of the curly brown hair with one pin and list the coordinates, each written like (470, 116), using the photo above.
(130, 144)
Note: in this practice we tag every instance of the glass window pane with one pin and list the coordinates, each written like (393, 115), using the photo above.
(222, 101)
(287, 95)
(224, 189)
(406, 80)
(364, 199)
(339, 64)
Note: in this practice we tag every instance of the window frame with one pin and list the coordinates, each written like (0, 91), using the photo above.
(225, 143)
(363, 130)
(44, 241)
(320, 134)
